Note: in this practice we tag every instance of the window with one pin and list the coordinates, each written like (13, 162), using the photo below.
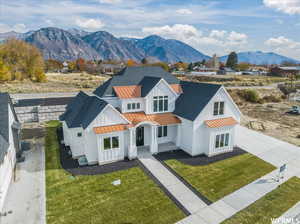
(160, 103)
(162, 131)
(79, 134)
(133, 106)
(218, 108)
(111, 143)
(222, 140)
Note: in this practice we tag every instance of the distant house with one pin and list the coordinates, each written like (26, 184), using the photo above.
(285, 71)
(147, 108)
(111, 69)
(9, 144)
(65, 67)
(228, 71)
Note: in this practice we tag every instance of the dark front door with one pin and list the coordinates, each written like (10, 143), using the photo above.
(140, 136)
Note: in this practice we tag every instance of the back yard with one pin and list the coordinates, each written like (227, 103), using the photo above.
(94, 200)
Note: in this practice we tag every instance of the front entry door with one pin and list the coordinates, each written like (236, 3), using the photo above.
(140, 136)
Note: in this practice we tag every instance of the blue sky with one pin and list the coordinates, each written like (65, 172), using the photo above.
(211, 26)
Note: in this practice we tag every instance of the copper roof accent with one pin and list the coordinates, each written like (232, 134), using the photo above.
(222, 122)
(160, 119)
(111, 128)
(125, 92)
(177, 88)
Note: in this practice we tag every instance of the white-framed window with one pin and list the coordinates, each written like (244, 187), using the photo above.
(111, 143)
(133, 106)
(79, 134)
(219, 108)
(160, 103)
(162, 131)
(222, 140)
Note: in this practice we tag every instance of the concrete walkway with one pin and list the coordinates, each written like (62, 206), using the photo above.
(183, 194)
(292, 216)
(267, 148)
(26, 196)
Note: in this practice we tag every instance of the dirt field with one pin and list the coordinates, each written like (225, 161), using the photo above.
(271, 118)
(57, 82)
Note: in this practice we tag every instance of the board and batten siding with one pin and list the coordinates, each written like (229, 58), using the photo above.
(203, 134)
(7, 167)
(186, 135)
(161, 89)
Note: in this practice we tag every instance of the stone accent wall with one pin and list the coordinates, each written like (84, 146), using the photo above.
(39, 113)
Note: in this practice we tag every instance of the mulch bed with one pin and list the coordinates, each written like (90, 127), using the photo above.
(200, 160)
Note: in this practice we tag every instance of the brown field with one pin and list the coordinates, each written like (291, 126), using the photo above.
(57, 82)
(271, 118)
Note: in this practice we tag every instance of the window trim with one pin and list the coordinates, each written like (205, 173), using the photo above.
(111, 143)
(160, 104)
(222, 140)
(162, 131)
(217, 108)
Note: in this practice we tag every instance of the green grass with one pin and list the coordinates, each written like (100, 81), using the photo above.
(219, 179)
(273, 205)
(94, 200)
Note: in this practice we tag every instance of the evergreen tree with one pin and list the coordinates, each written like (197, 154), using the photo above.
(232, 60)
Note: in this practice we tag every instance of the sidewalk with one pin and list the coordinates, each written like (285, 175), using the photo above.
(26, 196)
(184, 195)
(291, 214)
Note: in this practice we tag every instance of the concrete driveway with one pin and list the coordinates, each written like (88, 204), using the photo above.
(26, 196)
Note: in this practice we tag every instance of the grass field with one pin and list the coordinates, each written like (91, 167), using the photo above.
(94, 200)
(219, 179)
(273, 205)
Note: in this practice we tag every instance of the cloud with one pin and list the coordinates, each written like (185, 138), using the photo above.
(110, 1)
(20, 28)
(215, 41)
(286, 6)
(90, 24)
(283, 45)
(184, 11)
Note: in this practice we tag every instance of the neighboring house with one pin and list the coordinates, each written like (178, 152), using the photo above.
(9, 144)
(147, 108)
(285, 71)
(228, 71)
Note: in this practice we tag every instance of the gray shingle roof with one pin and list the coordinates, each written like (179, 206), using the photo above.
(134, 76)
(82, 110)
(147, 84)
(5, 103)
(194, 98)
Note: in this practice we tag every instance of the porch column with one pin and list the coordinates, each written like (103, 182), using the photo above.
(154, 144)
(178, 137)
(132, 150)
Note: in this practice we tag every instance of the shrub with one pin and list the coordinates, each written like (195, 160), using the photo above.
(272, 98)
(250, 95)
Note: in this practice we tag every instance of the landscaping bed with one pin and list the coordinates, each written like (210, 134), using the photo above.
(271, 206)
(218, 179)
(93, 199)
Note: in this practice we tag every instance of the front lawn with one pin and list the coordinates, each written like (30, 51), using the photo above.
(219, 179)
(271, 206)
(94, 200)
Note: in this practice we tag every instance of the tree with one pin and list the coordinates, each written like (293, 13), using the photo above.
(52, 65)
(163, 65)
(80, 64)
(232, 60)
(144, 61)
(5, 74)
(191, 67)
(131, 62)
(23, 60)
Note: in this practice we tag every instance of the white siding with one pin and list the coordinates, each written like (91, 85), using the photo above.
(91, 147)
(172, 133)
(114, 101)
(124, 103)
(161, 89)
(76, 143)
(111, 155)
(186, 136)
(202, 137)
(6, 168)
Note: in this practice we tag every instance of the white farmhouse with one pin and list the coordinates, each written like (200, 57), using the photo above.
(147, 108)
(9, 144)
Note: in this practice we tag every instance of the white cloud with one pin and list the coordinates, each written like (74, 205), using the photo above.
(20, 28)
(90, 24)
(215, 41)
(286, 6)
(110, 1)
(283, 45)
(184, 11)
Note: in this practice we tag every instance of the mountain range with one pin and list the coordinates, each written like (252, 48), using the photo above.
(71, 44)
